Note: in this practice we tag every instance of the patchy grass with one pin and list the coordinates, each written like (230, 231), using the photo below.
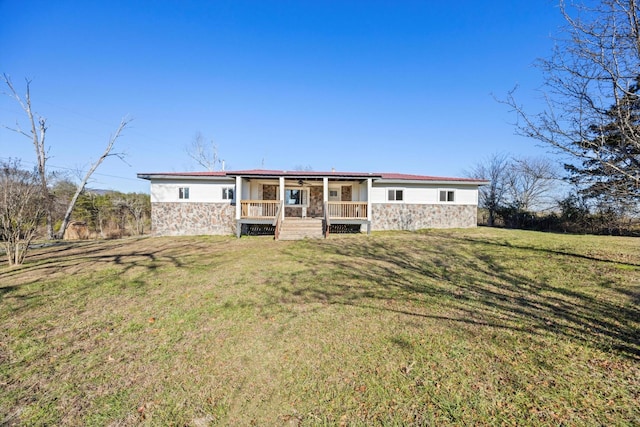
(453, 327)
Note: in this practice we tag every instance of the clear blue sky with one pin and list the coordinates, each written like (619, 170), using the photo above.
(362, 86)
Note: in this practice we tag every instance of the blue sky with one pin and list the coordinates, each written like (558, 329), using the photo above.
(362, 86)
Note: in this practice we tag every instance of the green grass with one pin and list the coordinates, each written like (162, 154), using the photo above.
(460, 327)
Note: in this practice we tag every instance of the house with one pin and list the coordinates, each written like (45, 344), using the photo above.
(292, 204)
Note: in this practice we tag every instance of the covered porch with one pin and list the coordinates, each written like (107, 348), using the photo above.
(279, 201)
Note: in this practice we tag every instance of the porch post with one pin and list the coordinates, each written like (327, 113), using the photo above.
(369, 199)
(282, 196)
(325, 189)
(369, 184)
(238, 206)
(238, 197)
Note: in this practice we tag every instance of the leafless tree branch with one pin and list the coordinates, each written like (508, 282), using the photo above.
(204, 155)
(106, 153)
(588, 82)
(37, 136)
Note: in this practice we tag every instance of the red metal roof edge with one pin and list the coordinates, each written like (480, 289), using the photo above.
(267, 172)
(410, 177)
(217, 173)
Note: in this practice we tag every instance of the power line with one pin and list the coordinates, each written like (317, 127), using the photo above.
(62, 124)
(75, 170)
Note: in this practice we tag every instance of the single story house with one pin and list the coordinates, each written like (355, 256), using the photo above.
(227, 202)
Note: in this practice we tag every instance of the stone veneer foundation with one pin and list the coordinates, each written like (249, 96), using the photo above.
(183, 219)
(399, 216)
(188, 219)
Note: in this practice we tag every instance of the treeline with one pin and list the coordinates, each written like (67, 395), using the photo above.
(534, 194)
(105, 214)
(572, 214)
(25, 210)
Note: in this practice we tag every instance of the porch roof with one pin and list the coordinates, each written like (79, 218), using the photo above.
(264, 173)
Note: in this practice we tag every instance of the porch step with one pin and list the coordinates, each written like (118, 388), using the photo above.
(300, 228)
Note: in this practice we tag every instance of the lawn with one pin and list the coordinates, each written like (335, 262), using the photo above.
(459, 327)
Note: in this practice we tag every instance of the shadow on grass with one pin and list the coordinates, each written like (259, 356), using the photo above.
(85, 258)
(467, 281)
(475, 240)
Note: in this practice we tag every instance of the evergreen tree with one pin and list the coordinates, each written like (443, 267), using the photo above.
(615, 145)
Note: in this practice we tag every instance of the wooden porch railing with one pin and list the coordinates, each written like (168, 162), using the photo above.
(272, 209)
(259, 208)
(277, 221)
(347, 210)
(327, 219)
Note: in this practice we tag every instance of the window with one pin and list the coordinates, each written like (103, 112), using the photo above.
(447, 195)
(295, 197)
(333, 193)
(183, 192)
(395, 195)
(227, 193)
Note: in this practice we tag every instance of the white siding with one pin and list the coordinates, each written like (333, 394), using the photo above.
(256, 191)
(425, 194)
(363, 192)
(199, 191)
(246, 190)
(359, 192)
(378, 194)
(203, 191)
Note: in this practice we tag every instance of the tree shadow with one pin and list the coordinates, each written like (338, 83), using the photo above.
(469, 281)
(549, 251)
(86, 258)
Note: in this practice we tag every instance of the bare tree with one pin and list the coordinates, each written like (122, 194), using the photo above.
(137, 206)
(37, 134)
(590, 85)
(107, 153)
(204, 154)
(492, 196)
(21, 209)
(529, 181)
(516, 185)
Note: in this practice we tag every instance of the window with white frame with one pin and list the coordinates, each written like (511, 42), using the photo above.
(295, 196)
(183, 193)
(395, 195)
(227, 193)
(447, 196)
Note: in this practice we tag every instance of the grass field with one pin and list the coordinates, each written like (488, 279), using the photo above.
(461, 327)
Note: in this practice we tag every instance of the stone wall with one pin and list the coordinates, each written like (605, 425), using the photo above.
(181, 219)
(315, 202)
(400, 216)
(184, 219)
(269, 192)
(346, 193)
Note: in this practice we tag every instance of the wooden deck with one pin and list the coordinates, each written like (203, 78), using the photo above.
(268, 212)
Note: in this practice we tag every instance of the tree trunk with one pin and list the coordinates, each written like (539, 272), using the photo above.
(37, 136)
(92, 169)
